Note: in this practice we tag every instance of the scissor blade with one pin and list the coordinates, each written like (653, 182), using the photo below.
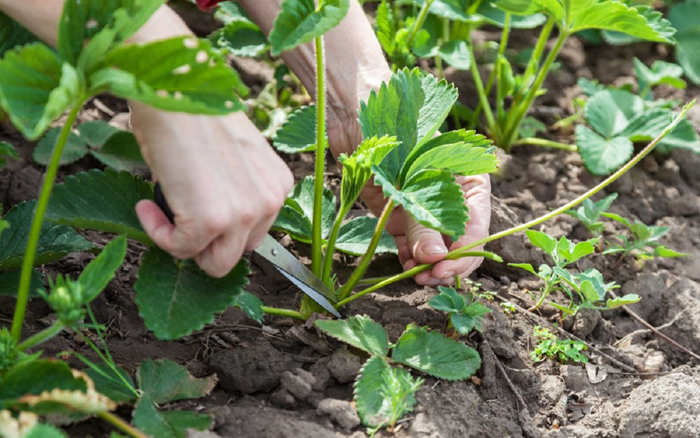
(297, 273)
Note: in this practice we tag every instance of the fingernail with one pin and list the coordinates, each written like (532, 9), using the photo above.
(434, 248)
(447, 274)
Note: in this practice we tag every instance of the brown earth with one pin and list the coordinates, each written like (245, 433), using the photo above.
(286, 380)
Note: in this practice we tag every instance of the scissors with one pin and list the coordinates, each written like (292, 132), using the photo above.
(285, 262)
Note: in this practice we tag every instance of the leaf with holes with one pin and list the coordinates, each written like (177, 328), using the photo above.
(300, 21)
(55, 241)
(102, 201)
(434, 354)
(176, 297)
(360, 332)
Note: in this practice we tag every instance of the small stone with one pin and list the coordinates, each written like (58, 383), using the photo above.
(669, 173)
(340, 411)
(296, 385)
(282, 398)
(321, 375)
(551, 388)
(344, 365)
(653, 362)
(539, 172)
(585, 322)
(687, 204)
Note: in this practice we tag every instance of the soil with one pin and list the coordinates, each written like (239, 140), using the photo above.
(286, 380)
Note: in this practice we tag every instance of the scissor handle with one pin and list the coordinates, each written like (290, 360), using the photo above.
(160, 200)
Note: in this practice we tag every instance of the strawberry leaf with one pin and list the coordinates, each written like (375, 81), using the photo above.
(164, 381)
(13, 34)
(298, 133)
(166, 424)
(683, 17)
(355, 236)
(295, 216)
(360, 332)
(99, 272)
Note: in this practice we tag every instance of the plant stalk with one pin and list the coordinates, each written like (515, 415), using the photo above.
(545, 143)
(464, 251)
(283, 312)
(483, 97)
(42, 336)
(359, 272)
(37, 221)
(418, 24)
(121, 425)
(330, 247)
(317, 237)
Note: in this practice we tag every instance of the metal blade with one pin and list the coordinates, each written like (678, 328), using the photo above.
(297, 273)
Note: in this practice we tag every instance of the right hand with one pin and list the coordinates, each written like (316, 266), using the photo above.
(223, 182)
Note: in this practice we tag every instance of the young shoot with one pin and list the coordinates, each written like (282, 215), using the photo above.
(549, 346)
(643, 241)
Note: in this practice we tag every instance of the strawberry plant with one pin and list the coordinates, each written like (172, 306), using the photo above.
(643, 243)
(548, 346)
(589, 214)
(465, 313)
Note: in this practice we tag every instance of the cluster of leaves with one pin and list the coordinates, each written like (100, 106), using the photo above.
(384, 393)
(617, 118)
(549, 346)
(465, 313)
(585, 290)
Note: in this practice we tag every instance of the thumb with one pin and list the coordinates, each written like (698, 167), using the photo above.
(427, 246)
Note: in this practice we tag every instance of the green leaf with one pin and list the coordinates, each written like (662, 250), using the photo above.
(95, 133)
(42, 430)
(457, 54)
(384, 394)
(164, 381)
(99, 272)
(166, 424)
(55, 241)
(460, 159)
(121, 152)
(662, 251)
(433, 198)
(641, 22)
(82, 20)
(434, 354)
(298, 133)
(34, 70)
(7, 151)
(448, 300)
(411, 107)
(360, 332)
(300, 21)
(622, 301)
(108, 383)
(101, 201)
(36, 377)
(13, 34)
(618, 218)
(176, 297)
(178, 74)
(497, 17)
(9, 283)
(542, 241)
(386, 27)
(297, 213)
(354, 237)
(453, 9)
(661, 72)
(241, 37)
(683, 17)
(600, 155)
(526, 266)
(357, 168)
(610, 111)
(74, 149)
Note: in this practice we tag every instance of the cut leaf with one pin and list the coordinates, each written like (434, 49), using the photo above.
(55, 241)
(600, 155)
(384, 394)
(433, 198)
(360, 332)
(178, 74)
(300, 21)
(35, 70)
(101, 201)
(176, 297)
(99, 272)
(355, 236)
(166, 424)
(164, 381)
(435, 354)
(298, 134)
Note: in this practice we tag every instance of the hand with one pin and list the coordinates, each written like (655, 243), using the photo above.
(223, 182)
(416, 243)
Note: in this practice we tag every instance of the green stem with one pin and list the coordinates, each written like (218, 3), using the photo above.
(359, 272)
(505, 35)
(483, 97)
(418, 24)
(42, 336)
(545, 143)
(317, 237)
(283, 312)
(330, 247)
(521, 110)
(35, 230)
(121, 425)
(464, 251)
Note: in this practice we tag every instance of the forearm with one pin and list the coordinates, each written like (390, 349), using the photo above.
(355, 62)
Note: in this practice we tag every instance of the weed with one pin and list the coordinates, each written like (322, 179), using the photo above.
(549, 346)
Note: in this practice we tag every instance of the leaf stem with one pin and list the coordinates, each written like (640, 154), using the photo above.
(505, 34)
(330, 246)
(37, 221)
(418, 24)
(121, 425)
(359, 272)
(545, 143)
(483, 97)
(317, 237)
(42, 336)
(283, 312)
(464, 251)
